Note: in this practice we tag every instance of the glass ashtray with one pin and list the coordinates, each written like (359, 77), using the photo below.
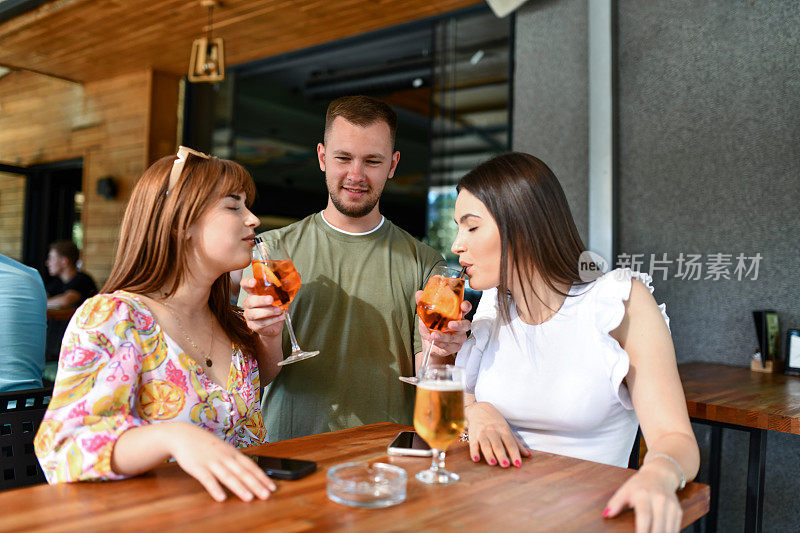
(367, 485)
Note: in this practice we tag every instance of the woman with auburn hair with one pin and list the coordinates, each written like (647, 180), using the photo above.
(559, 361)
(159, 365)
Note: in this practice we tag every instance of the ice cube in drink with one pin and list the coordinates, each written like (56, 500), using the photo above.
(441, 302)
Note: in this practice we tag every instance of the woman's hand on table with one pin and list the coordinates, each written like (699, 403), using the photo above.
(651, 495)
(446, 343)
(215, 463)
(490, 434)
(259, 313)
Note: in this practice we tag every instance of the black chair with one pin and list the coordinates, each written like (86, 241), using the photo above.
(21, 412)
(633, 460)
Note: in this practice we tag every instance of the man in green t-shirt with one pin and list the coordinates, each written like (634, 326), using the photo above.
(360, 275)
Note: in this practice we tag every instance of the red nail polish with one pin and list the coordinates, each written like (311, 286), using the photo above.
(517, 463)
(476, 458)
(505, 463)
(492, 462)
(606, 512)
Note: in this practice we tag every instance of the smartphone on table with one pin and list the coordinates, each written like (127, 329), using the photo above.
(409, 443)
(283, 468)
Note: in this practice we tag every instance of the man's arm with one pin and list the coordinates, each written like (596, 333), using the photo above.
(69, 298)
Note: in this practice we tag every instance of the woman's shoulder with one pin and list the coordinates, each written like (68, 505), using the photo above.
(112, 308)
(614, 289)
(620, 279)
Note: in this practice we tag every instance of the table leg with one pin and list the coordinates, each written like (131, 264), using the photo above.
(715, 460)
(755, 481)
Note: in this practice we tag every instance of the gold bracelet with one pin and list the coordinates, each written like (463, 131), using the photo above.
(677, 465)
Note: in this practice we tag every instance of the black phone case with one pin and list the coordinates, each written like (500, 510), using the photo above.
(291, 474)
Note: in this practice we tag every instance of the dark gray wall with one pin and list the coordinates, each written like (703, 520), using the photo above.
(709, 162)
(709, 144)
(551, 118)
(709, 129)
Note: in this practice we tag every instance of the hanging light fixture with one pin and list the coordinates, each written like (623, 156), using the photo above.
(502, 8)
(207, 62)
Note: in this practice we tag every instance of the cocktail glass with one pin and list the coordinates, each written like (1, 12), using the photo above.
(276, 276)
(439, 304)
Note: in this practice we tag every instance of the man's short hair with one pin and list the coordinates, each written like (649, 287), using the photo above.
(66, 249)
(363, 111)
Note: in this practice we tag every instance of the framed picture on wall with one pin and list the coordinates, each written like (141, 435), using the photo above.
(793, 351)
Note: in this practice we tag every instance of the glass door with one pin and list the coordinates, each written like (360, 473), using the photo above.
(40, 204)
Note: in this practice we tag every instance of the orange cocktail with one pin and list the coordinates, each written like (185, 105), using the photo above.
(441, 302)
(276, 278)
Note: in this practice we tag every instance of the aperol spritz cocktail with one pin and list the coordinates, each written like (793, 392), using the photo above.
(441, 301)
(276, 276)
(439, 304)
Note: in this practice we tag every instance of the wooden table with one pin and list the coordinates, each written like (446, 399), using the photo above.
(550, 492)
(733, 397)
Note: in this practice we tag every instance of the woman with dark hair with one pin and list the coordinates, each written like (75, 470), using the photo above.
(159, 365)
(558, 361)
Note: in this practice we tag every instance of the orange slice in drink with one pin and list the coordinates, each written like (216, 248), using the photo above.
(271, 276)
(261, 270)
(449, 305)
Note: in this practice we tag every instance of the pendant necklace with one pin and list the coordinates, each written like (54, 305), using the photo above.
(207, 357)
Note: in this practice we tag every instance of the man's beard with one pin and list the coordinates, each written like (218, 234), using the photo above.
(356, 211)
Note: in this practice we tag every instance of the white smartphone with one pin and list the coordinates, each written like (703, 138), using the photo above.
(409, 443)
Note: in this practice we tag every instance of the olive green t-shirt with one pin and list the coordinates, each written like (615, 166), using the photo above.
(356, 306)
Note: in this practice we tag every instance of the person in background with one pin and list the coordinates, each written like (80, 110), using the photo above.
(360, 274)
(22, 326)
(559, 360)
(160, 365)
(69, 286)
(67, 289)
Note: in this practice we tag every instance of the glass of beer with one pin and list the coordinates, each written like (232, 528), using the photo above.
(439, 304)
(276, 276)
(439, 417)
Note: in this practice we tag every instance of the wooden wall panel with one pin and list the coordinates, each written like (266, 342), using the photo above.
(12, 213)
(107, 123)
(163, 125)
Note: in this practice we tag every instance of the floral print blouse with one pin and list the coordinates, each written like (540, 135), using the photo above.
(118, 370)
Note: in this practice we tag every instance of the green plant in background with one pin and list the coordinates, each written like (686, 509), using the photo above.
(442, 229)
(77, 234)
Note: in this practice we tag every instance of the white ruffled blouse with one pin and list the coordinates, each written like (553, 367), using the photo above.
(560, 384)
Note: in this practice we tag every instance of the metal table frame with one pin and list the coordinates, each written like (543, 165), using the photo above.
(756, 467)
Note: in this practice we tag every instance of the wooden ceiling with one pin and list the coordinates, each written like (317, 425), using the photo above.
(87, 40)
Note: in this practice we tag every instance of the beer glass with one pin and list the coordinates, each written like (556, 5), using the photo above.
(276, 276)
(439, 417)
(439, 304)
